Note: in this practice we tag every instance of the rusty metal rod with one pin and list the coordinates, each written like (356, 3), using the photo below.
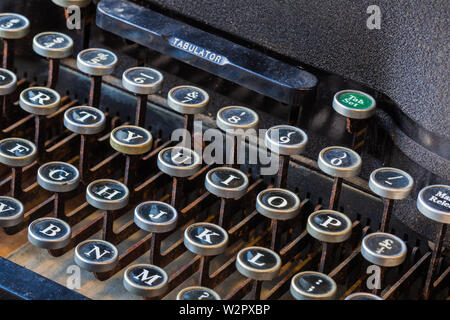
(95, 91)
(387, 212)
(53, 72)
(8, 53)
(335, 193)
(432, 269)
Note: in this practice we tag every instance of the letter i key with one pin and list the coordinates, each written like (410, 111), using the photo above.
(96, 63)
(434, 203)
(338, 162)
(12, 26)
(189, 101)
(207, 240)
(226, 183)
(142, 81)
(390, 183)
(259, 264)
(53, 46)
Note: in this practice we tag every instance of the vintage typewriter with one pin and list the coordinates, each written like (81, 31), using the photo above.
(334, 182)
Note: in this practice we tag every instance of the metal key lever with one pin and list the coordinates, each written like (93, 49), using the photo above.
(246, 67)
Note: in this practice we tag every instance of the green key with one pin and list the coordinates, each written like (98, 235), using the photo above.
(354, 104)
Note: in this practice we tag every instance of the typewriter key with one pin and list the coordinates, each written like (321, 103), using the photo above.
(145, 280)
(236, 120)
(49, 233)
(434, 203)
(96, 63)
(226, 183)
(39, 100)
(197, 293)
(58, 177)
(189, 101)
(155, 216)
(84, 120)
(68, 3)
(277, 204)
(8, 84)
(329, 227)
(383, 249)
(259, 264)
(131, 140)
(354, 104)
(107, 194)
(390, 183)
(205, 239)
(11, 212)
(53, 46)
(142, 81)
(362, 296)
(96, 255)
(178, 162)
(17, 153)
(285, 141)
(12, 26)
(357, 107)
(338, 162)
(311, 285)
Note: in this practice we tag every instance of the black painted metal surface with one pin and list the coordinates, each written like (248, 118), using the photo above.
(17, 282)
(203, 50)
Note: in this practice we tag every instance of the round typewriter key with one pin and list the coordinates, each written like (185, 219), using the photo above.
(391, 183)
(179, 161)
(311, 285)
(286, 140)
(197, 293)
(383, 249)
(236, 117)
(49, 233)
(84, 120)
(329, 226)
(53, 45)
(8, 82)
(58, 176)
(339, 162)
(155, 216)
(258, 263)
(362, 296)
(354, 104)
(188, 99)
(96, 62)
(13, 26)
(145, 280)
(68, 3)
(434, 203)
(278, 204)
(226, 182)
(39, 100)
(205, 239)
(11, 212)
(107, 194)
(17, 152)
(131, 140)
(96, 255)
(142, 80)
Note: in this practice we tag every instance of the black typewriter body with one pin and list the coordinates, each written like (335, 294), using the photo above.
(281, 77)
